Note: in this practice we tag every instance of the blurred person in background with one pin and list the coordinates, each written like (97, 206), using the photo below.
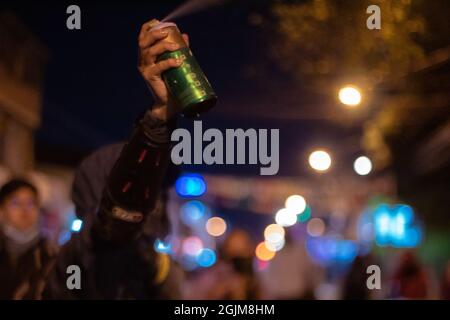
(410, 280)
(232, 277)
(26, 257)
(445, 287)
(291, 275)
(355, 286)
(237, 253)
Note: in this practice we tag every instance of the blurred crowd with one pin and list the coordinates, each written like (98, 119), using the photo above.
(291, 275)
(26, 260)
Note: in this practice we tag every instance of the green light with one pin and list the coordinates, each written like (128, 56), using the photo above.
(305, 215)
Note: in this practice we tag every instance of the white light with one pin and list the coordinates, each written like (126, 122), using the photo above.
(76, 225)
(320, 160)
(362, 166)
(398, 225)
(315, 227)
(274, 235)
(274, 247)
(296, 203)
(383, 223)
(350, 96)
(286, 217)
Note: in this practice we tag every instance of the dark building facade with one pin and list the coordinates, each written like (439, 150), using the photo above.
(22, 64)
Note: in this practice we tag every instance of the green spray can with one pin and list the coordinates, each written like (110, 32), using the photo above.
(187, 84)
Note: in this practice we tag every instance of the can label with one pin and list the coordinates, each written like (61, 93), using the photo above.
(187, 83)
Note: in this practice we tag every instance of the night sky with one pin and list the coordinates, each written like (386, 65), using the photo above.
(93, 91)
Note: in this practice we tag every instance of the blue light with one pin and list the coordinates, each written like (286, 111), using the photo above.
(206, 258)
(331, 250)
(194, 211)
(347, 251)
(162, 247)
(382, 220)
(190, 185)
(77, 224)
(395, 226)
(410, 240)
(64, 237)
(405, 211)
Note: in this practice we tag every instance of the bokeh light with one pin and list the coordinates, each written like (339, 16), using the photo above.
(405, 211)
(315, 227)
(331, 250)
(320, 160)
(192, 246)
(190, 185)
(362, 166)
(76, 226)
(394, 226)
(64, 236)
(163, 261)
(350, 96)
(275, 246)
(296, 203)
(274, 233)
(216, 226)
(305, 215)
(286, 217)
(261, 265)
(162, 247)
(192, 212)
(263, 253)
(206, 258)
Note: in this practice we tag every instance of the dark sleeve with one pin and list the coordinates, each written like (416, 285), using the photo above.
(135, 182)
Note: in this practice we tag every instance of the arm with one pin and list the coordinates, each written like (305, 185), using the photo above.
(135, 181)
(131, 191)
